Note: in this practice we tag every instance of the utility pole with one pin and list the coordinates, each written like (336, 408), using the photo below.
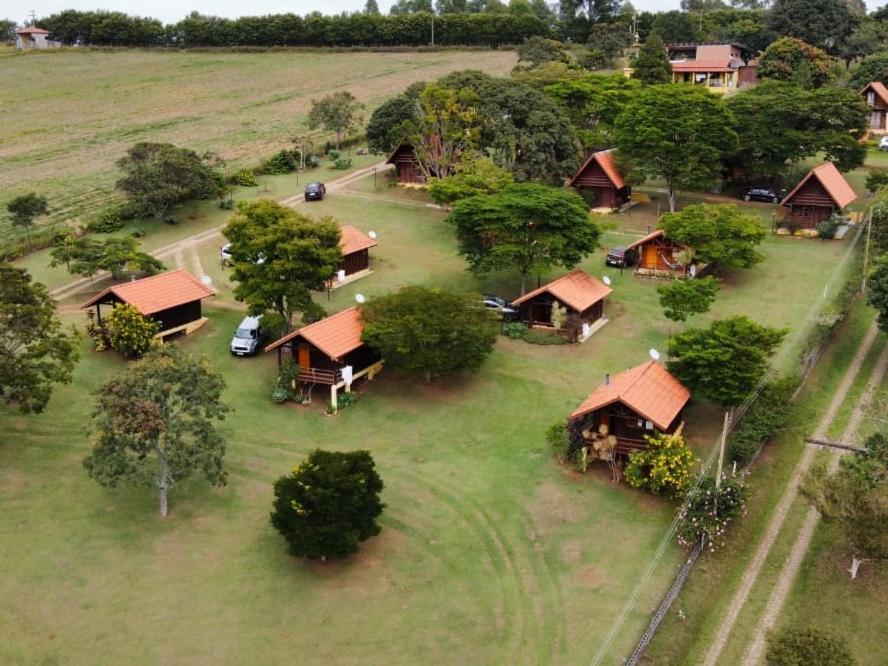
(33, 16)
(721, 450)
(866, 247)
(433, 28)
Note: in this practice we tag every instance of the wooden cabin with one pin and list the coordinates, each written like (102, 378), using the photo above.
(329, 352)
(355, 247)
(875, 95)
(407, 169)
(659, 255)
(644, 400)
(172, 299)
(579, 293)
(599, 175)
(821, 193)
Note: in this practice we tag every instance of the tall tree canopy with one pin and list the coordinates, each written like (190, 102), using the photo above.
(386, 128)
(830, 121)
(160, 175)
(675, 27)
(155, 424)
(473, 175)
(678, 132)
(872, 68)
(338, 112)
(527, 227)
(592, 102)
(652, 64)
(280, 257)
(790, 59)
(725, 361)
(719, 234)
(23, 209)
(681, 299)
(429, 333)
(87, 256)
(328, 504)
(823, 23)
(535, 51)
(35, 351)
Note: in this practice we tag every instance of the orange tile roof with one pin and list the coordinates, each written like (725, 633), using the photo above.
(336, 335)
(648, 389)
(577, 289)
(353, 240)
(157, 292)
(605, 159)
(833, 182)
(644, 239)
(31, 31)
(878, 88)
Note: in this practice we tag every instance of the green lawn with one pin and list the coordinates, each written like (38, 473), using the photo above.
(490, 552)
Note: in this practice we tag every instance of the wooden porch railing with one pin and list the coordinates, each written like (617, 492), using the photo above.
(318, 376)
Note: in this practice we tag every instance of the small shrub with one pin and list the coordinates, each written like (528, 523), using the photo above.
(828, 228)
(342, 164)
(246, 178)
(284, 161)
(558, 439)
(313, 161)
(226, 204)
(130, 332)
(347, 400)
(515, 330)
(334, 154)
(709, 511)
(131, 210)
(283, 385)
(138, 233)
(280, 395)
(107, 222)
(796, 646)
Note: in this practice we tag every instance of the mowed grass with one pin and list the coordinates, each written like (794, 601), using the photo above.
(81, 109)
(490, 552)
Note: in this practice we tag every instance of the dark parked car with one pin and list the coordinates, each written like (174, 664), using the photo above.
(501, 305)
(315, 191)
(763, 193)
(621, 257)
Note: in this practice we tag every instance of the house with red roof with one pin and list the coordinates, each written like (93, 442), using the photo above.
(329, 352)
(355, 247)
(600, 177)
(822, 192)
(662, 256)
(580, 299)
(875, 94)
(644, 400)
(719, 67)
(171, 299)
(28, 39)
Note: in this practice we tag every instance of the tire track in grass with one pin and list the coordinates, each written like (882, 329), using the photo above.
(538, 591)
(195, 261)
(778, 518)
(793, 563)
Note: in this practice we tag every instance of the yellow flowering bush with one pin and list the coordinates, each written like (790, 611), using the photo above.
(666, 465)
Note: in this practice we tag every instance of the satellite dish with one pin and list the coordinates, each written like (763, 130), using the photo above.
(207, 280)
(360, 298)
(372, 234)
(606, 280)
(654, 354)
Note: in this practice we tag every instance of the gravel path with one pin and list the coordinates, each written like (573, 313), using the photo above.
(755, 652)
(750, 576)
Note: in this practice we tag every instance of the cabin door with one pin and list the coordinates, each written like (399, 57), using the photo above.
(304, 356)
(650, 256)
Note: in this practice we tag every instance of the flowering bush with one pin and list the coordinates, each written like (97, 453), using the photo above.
(708, 511)
(665, 465)
(129, 332)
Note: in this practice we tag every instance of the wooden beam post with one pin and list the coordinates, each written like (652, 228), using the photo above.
(333, 401)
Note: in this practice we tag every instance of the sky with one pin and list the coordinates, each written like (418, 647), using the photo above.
(171, 11)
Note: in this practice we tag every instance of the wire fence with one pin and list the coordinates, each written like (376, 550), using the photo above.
(684, 572)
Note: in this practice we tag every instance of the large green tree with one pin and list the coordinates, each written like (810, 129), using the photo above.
(795, 61)
(830, 121)
(429, 333)
(87, 256)
(35, 351)
(474, 175)
(652, 64)
(855, 497)
(156, 424)
(592, 102)
(872, 68)
(386, 127)
(527, 227)
(535, 51)
(718, 234)
(684, 298)
(679, 132)
(338, 112)
(160, 175)
(24, 208)
(675, 27)
(280, 257)
(328, 504)
(823, 23)
(725, 361)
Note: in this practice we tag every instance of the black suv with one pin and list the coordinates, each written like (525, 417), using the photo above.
(315, 191)
(763, 193)
(621, 257)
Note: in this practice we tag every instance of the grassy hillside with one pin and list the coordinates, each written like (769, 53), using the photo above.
(80, 110)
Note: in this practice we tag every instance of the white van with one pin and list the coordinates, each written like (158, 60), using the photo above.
(247, 337)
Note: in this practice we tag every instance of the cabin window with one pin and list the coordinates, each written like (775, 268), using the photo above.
(803, 211)
(648, 425)
(871, 98)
